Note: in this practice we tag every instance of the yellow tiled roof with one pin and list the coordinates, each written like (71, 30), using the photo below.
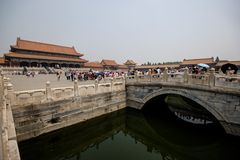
(44, 47)
(106, 62)
(197, 61)
(93, 65)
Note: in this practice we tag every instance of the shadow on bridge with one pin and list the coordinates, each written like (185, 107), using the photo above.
(179, 107)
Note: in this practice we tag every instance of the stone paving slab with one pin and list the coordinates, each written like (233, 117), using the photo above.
(22, 82)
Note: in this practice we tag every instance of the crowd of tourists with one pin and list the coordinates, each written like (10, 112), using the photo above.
(75, 74)
(91, 75)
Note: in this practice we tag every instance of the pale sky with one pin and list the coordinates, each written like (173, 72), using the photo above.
(141, 30)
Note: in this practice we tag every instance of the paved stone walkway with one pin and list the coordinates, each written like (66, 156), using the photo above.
(22, 82)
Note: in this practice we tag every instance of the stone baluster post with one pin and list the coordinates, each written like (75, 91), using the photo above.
(76, 89)
(4, 87)
(1, 90)
(185, 75)
(150, 75)
(111, 81)
(5, 83)
(96, 85)
(10, 101)
(10, 93)
(165, 75)
(136, 76)
(124, 78)
(48, 91)
(212, 77)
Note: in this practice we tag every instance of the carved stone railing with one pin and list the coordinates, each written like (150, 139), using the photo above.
(227, 81)
(38, 96)
(8, 139)
(16, 70)
(210, 79)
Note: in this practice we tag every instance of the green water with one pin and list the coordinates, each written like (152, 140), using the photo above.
(132, 134)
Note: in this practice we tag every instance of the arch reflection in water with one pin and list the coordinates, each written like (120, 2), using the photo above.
(132, 134)
(188, 110)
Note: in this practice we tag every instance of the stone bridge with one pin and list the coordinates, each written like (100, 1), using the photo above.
(27, 114)
(218, 94)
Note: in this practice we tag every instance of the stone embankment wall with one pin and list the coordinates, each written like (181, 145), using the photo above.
(40, 111)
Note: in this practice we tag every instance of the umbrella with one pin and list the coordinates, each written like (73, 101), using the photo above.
(229, 66)
(203, 65)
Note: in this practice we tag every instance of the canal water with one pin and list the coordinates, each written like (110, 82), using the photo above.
(149, 134)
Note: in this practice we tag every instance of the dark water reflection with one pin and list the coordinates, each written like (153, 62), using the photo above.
(132, 134)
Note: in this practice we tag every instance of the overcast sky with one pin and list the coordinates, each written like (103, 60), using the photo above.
(141, 30)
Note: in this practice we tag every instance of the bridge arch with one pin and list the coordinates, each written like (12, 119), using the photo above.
(217, 114)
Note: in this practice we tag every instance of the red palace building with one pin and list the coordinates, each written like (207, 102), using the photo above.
(38, 54)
